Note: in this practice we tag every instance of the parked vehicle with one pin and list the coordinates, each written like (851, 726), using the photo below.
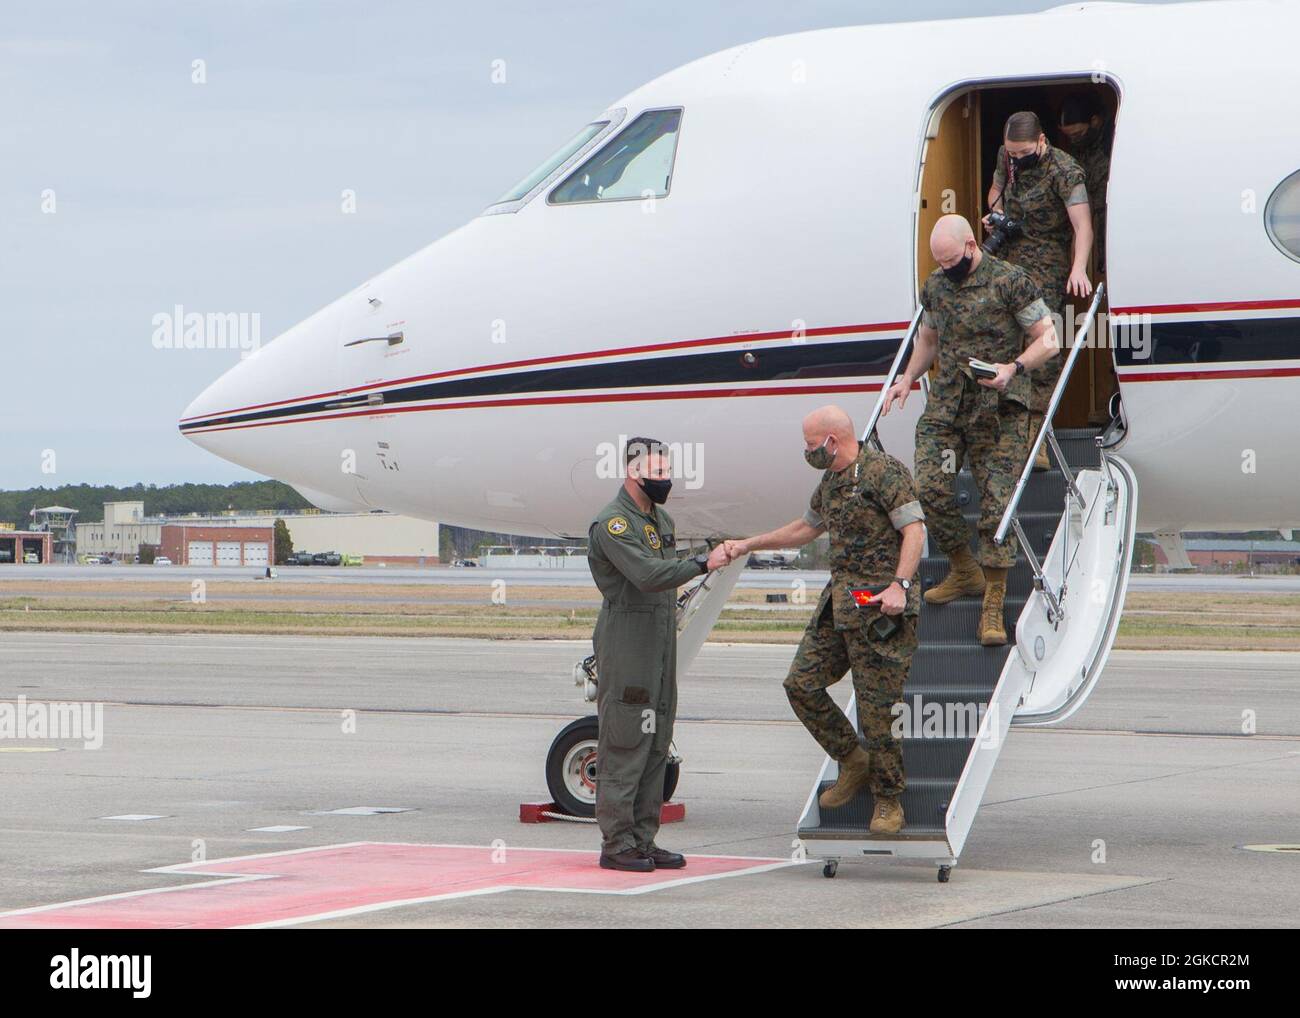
(162, 560)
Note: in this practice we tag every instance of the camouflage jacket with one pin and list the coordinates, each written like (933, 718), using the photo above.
(1038, 199)
(863, 508)
(983, 316)
(633, 556)
(1094, 159)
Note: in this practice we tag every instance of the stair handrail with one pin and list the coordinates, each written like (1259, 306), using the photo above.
(869, 433)
(1045, 433)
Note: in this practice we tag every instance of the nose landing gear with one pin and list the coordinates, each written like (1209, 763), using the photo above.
(571, 768)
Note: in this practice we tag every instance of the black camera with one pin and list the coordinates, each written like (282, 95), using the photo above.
(1004, 229)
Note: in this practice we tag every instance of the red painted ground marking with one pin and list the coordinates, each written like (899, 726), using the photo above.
(283, 888)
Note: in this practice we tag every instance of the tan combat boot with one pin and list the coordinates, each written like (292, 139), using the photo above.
(964, 577)
(992, 633)
(854, 770)
(887, 817)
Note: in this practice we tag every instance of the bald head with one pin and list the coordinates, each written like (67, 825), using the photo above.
(949, 237)
(832, 427)
(828, 420)
(952, 239)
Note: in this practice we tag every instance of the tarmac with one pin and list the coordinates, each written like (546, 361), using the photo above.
(1133, 814)
(574, 576)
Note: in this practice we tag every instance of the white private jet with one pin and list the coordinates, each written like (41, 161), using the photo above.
(743, 239)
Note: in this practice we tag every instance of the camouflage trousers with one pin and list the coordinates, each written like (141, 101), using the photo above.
(879, 667)
(997, 443)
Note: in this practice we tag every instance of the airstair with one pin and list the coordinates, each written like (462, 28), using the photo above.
(1075, 526)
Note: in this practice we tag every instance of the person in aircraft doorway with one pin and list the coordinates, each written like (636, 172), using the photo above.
(631, 550)
(1044, 192)
(976, 306)
(1088, 135)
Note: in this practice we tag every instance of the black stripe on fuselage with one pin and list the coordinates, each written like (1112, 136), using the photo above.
(777, 363)
(1208, 341)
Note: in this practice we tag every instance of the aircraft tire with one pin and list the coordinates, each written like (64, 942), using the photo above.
(571, 768)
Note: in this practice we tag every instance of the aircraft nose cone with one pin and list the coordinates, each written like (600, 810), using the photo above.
(233, 391)
(240, 408)
(197, 409)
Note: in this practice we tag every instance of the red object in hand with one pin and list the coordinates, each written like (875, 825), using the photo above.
(862, 596)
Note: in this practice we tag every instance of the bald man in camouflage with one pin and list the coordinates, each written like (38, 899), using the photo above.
(867, 502)
(976, 306)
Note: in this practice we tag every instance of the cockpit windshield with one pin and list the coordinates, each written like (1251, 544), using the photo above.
(638, 163)
(557, 159)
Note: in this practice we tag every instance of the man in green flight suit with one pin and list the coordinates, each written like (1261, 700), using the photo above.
(1044, 190)
(631, 550)
(867, 502)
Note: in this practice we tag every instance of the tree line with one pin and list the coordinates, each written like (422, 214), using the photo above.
(159, 500)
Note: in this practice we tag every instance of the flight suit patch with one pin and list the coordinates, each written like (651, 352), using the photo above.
(652, 536)
(617, 525)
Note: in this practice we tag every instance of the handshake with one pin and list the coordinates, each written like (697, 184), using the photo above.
(726, 553)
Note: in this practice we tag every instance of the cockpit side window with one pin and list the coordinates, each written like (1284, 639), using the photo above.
(637, 163)
(576, 147)
(1282, 216)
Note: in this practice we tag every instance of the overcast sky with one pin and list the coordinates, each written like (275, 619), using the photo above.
(225, 196)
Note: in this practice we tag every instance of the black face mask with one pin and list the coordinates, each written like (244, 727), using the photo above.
(956, 273)
(655, 490)
(1089, 137)
(1023, 163)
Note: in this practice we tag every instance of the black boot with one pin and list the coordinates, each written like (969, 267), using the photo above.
(628, 859)
(665, 860)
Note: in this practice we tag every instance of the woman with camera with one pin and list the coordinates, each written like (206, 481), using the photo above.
(1039, 218)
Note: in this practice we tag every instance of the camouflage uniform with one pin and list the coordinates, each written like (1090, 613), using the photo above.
(1093, 155)
(863, 507)
(983, 316)
(1038, 199)
(633, 560)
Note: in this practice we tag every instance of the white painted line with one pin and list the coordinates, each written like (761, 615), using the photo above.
(135, 816)
(278, 829)
(358, 811)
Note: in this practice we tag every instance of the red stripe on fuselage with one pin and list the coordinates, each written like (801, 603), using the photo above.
(1201, 373)
(749, 337)
(1224, 305)
(617, 397)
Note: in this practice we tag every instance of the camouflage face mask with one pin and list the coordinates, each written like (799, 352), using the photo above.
(820, 458)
